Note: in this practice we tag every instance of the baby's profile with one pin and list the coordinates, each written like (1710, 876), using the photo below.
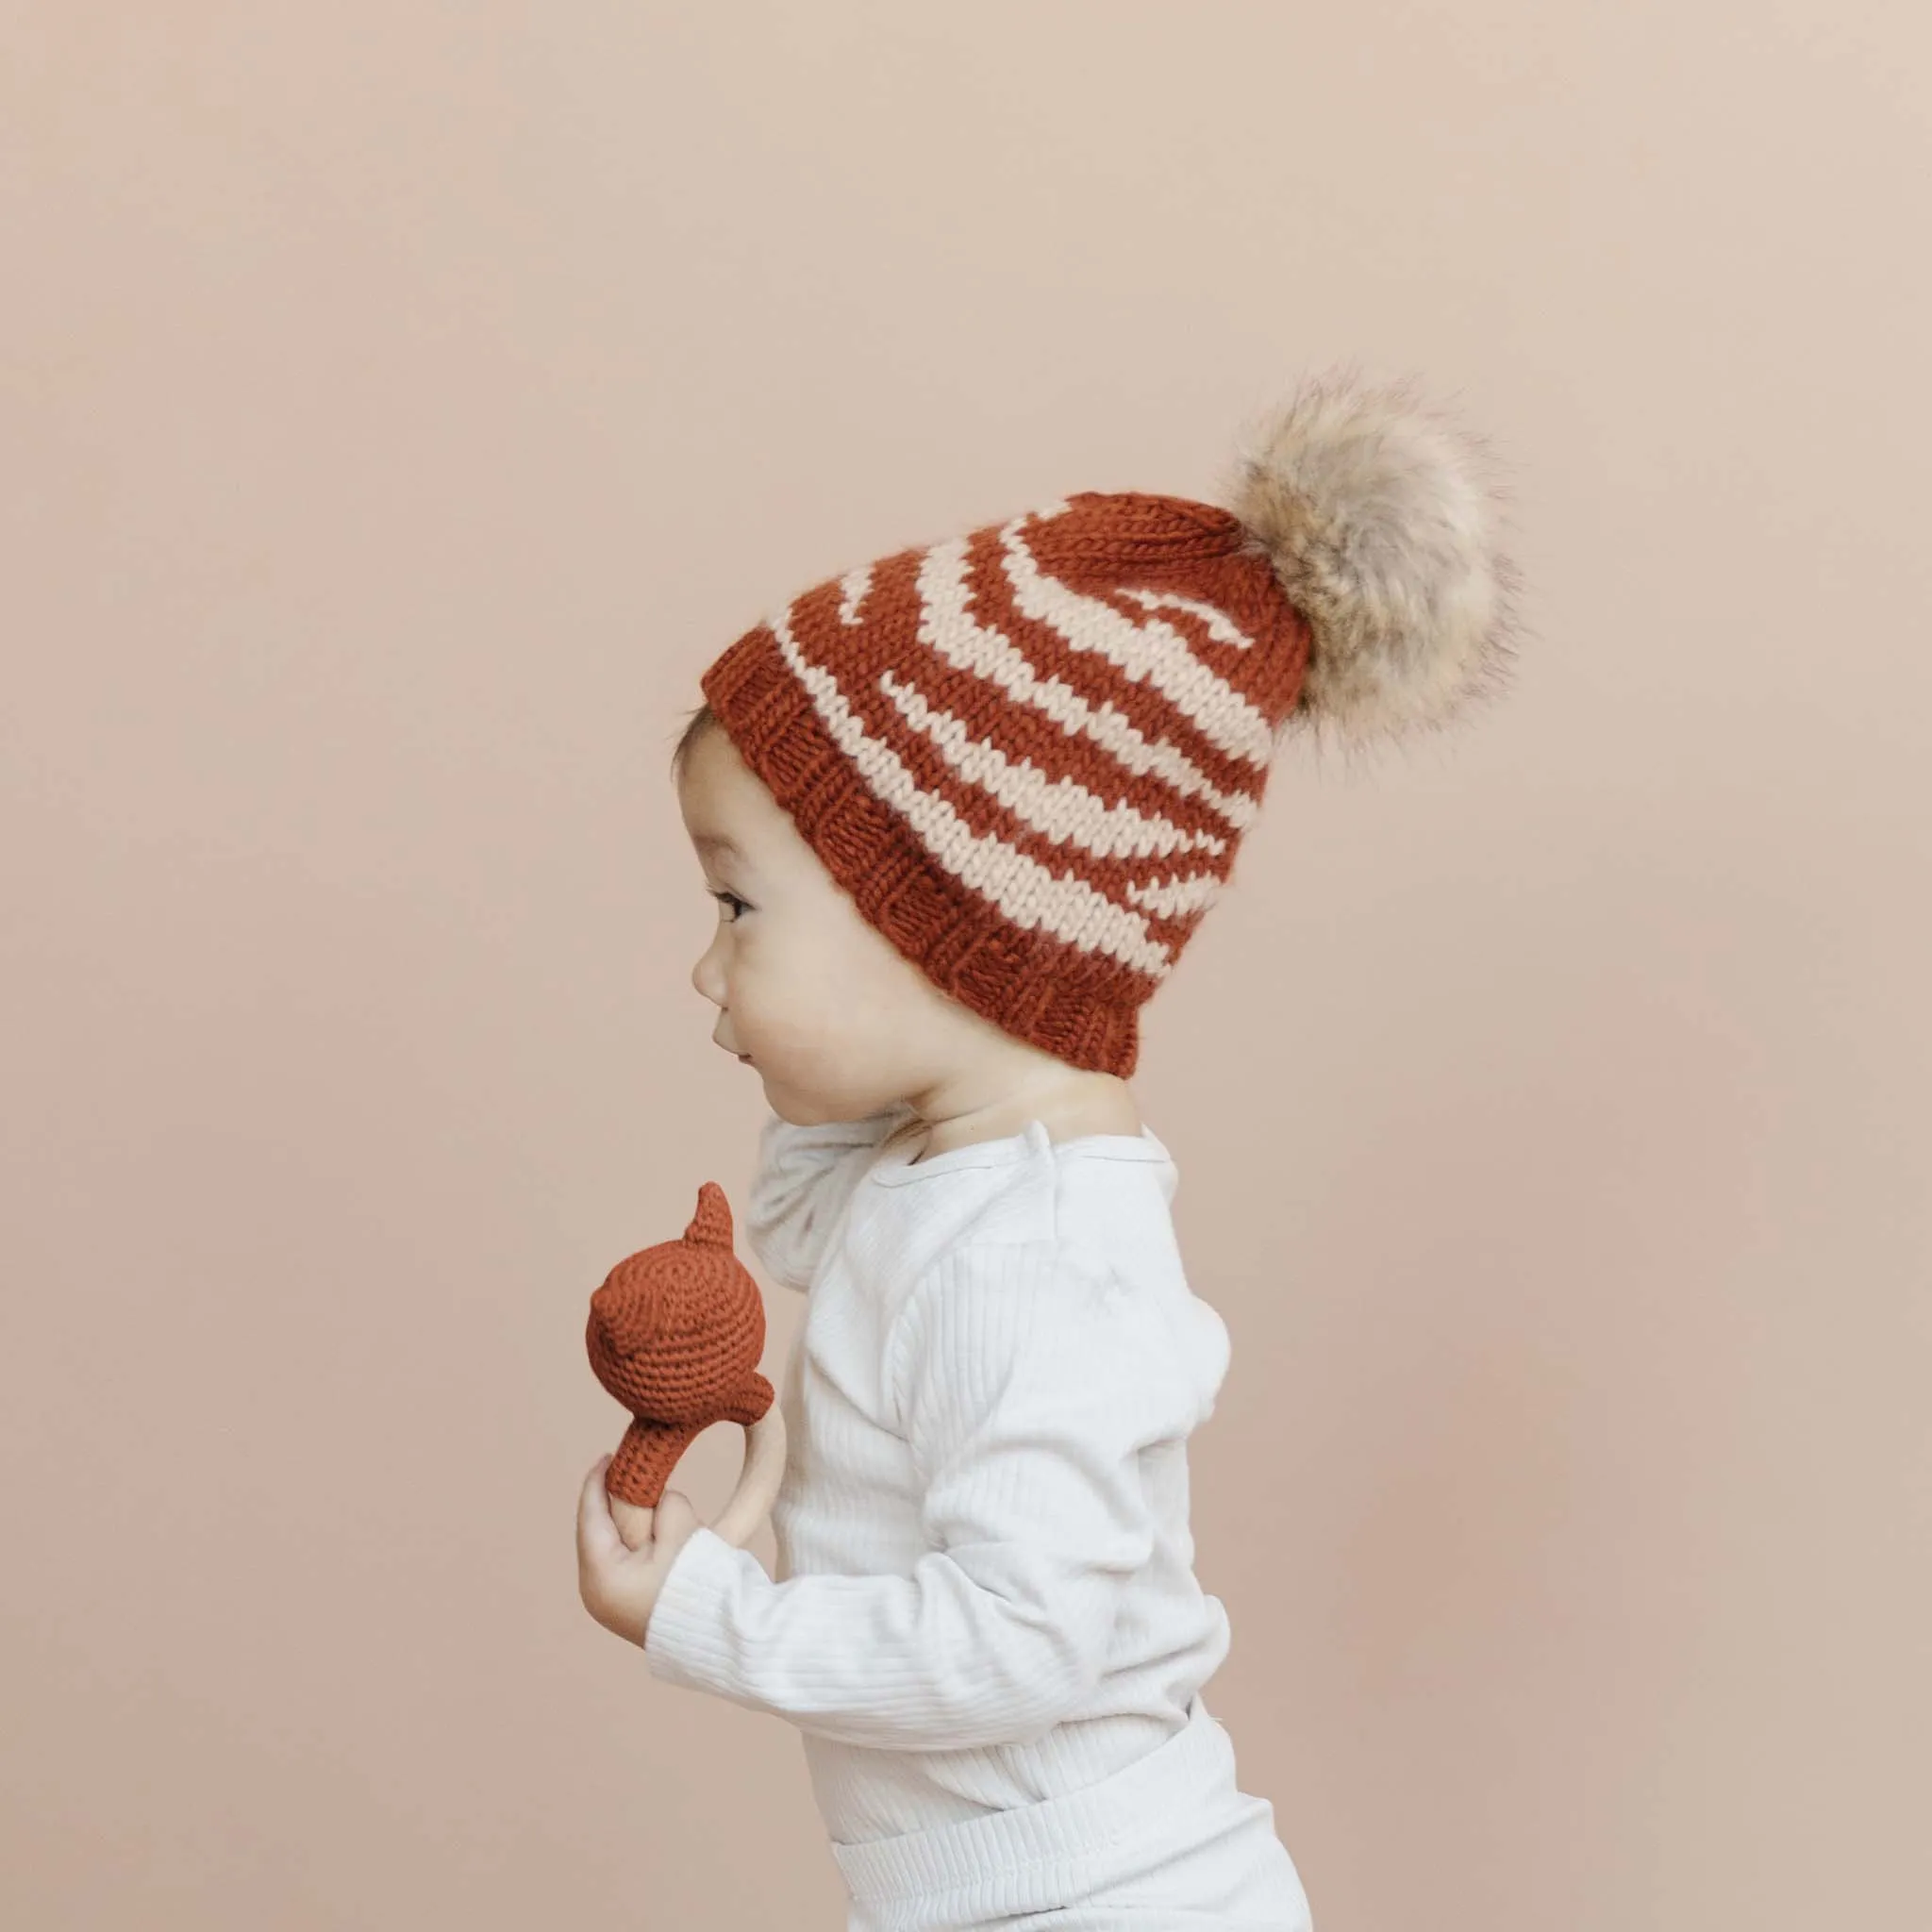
(961, 810)
(837, 1023)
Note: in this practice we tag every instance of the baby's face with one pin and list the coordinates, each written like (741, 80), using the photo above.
(837, 1022)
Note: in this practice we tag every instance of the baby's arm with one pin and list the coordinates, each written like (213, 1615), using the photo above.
(804, 1179)
(1029, 1381)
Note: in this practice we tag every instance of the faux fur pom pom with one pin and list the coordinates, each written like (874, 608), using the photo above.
(1380, 516)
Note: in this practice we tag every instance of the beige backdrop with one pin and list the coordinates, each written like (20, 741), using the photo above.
(403, 402)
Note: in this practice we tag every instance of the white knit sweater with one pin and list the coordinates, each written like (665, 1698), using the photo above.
(984, 1595)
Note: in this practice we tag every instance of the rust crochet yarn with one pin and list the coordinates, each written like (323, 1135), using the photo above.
(676, 1333)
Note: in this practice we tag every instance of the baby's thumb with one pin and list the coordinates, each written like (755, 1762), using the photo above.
(675, 1518)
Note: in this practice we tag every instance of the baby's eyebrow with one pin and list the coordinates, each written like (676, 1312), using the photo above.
(717, 844)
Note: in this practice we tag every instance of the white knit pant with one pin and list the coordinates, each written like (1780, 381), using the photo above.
(1168, 1844)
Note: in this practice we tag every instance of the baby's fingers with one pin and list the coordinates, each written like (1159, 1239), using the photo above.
(597, 1538)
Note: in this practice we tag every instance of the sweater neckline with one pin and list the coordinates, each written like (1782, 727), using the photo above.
(1032, 1139)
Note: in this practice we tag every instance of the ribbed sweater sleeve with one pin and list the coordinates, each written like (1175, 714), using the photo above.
(1028, 1379)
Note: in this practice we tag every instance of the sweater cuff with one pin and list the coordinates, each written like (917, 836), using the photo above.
(683, 1642)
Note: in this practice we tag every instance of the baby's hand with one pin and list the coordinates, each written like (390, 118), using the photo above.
(620, 1584)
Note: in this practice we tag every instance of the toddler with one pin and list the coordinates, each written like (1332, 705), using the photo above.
(961, 808)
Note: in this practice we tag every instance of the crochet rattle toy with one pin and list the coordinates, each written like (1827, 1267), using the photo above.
(676, 1333)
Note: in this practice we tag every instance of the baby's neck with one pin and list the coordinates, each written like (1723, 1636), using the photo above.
(1103, 1107)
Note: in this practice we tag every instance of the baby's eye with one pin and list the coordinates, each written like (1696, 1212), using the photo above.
(732, 899)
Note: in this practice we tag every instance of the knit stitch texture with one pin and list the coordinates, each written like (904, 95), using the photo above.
(1029, 753)
(676, 1333)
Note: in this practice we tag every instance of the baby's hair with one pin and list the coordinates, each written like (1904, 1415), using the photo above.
(701, 719)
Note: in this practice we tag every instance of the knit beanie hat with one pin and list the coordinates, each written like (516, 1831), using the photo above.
(1028, 753)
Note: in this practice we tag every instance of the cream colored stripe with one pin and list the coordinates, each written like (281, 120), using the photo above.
(1221, 626)
(1172, 898)
(1025, 892)
(1059, 808)
(947, 625)
(1153, 650)
(852, 589)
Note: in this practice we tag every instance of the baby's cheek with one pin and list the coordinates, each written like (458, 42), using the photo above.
(818, 1052)
(799, 1011)
(772, 1028)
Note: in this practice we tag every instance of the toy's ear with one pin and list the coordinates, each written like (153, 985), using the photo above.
(627, 1311)
(711, 1224)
